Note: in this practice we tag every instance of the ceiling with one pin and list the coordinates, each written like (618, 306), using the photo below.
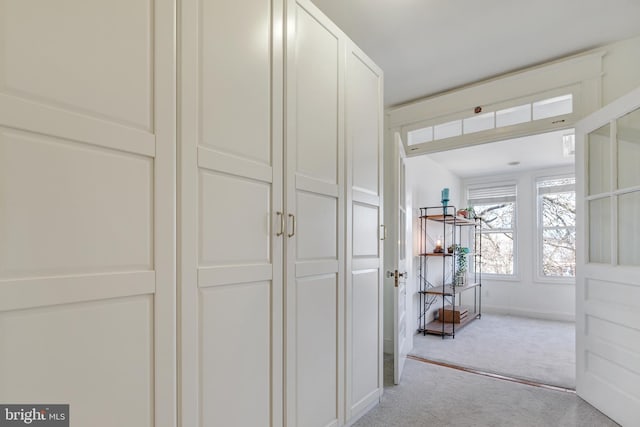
(429, 46)
(532, 152)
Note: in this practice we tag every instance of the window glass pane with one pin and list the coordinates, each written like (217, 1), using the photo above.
(629, 229)
(600, 230)
(478, 123)
(629, 150)
(447, 130)
(553, 107)
(496, 216)
(559, 252)
(497, 253)
(558, 209)
(513, 116)
(600, 160)
(419, 136)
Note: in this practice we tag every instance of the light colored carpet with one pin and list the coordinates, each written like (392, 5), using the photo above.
(530, 349)
(431, 395)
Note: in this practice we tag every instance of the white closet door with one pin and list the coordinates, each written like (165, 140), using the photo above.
(230, 191)
(315, 200)
(87, 288)
(364, 279)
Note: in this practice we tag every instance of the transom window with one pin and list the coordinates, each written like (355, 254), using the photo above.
(543, 109)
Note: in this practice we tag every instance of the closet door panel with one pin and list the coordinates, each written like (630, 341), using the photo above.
(45, 210)
(364, 220)
(72, 348)
(243, 365)
(366, 299)
(364, 123)
(317, 98)
(316, 349)
(317, 215)
(244, 228)
(315, 199)
(87, 202)
(365, 230)
(235, 73)
(231, 210)
(71, 57)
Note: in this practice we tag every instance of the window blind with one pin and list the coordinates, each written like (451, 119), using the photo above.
(493, 194)
(556, 185)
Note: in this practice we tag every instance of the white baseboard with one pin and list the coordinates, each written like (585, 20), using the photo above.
(546, 315)
(364, 406)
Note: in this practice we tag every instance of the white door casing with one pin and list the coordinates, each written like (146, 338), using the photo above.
(608, 259)
(87, 209)
(402, 336)
(231, 201)
(364, 234)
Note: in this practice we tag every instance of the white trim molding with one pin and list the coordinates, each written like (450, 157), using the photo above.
(580, 76)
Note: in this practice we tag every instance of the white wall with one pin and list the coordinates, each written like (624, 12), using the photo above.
(621, 66)
(526, 294)
(425, 180)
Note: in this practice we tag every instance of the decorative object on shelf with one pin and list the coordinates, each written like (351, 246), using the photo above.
(461, 265)
(438, 249)
(445, 197)
(471, 213)
(463, 213)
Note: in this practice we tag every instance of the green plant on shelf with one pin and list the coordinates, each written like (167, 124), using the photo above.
(460, 253)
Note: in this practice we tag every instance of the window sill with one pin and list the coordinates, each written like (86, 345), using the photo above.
(495, 278)
(551, 281)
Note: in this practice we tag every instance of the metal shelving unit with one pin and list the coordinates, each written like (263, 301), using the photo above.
(447, 290)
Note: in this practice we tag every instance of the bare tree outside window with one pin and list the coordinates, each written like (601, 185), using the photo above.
(557, 227)
(496, 207)
(497, 237)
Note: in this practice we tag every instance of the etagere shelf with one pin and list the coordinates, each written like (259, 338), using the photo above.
(436, 258)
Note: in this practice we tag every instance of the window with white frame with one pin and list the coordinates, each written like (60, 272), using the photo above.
(496, 206)
(556, 200)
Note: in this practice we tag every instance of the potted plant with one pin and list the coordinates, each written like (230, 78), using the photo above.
(461, 265)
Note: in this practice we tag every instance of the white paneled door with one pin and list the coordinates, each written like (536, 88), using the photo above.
(231, 215)
(608, 259)
(314, 182)
(87, 202)
(402, 335)
(364, 245)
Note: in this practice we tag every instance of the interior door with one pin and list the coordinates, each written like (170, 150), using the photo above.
(608, 259)
(402, 338)
(87, 209)
(231, 218)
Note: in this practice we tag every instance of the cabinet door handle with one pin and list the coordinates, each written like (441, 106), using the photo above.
(281, 215)
(293, 225)
(383, 232)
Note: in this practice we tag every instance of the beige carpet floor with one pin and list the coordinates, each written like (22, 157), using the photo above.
(431, 395)
(530, 349)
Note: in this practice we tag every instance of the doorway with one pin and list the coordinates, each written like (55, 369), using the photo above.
(528, 262)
